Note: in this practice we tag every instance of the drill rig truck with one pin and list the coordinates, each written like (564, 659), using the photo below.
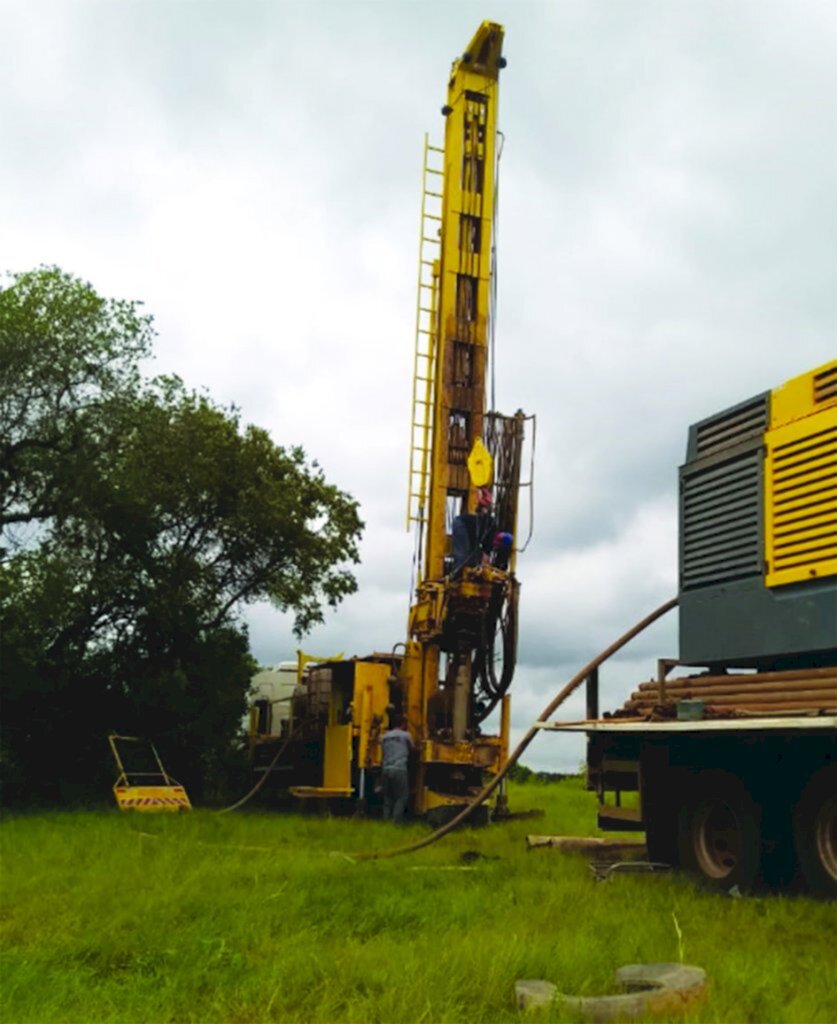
(457, 663)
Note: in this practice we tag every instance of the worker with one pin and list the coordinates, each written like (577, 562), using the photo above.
(396, 745)
(502, 545)
(473, 535)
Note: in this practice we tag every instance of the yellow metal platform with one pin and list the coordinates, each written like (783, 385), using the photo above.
(304, 792)
(163, 794)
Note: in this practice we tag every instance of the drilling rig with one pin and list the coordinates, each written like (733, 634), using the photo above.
(457, 663)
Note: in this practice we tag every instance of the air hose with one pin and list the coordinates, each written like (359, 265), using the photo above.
(248, 796)
(486, 792)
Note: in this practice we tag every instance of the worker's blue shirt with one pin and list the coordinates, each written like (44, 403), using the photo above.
(396, 745)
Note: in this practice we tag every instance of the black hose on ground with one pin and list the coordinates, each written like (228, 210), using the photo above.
(486, 792)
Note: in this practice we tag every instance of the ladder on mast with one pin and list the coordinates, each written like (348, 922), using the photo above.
(424, 355)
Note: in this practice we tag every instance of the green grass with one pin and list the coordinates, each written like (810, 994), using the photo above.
(259, 917)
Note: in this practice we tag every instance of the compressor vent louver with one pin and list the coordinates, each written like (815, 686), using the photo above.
(802, 515)
(731, 428)
(720, 518)
(825, 385)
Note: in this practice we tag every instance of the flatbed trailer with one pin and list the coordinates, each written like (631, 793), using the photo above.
(734, 799)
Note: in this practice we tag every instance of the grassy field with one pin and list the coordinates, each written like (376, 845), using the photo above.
(255, 917)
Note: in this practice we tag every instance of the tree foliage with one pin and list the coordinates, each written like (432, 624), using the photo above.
(138, 518)
(65, 353)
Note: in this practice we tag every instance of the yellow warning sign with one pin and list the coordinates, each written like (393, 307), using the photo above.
(151, 798)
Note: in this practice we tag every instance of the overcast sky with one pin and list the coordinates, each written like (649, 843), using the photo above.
(251, 171)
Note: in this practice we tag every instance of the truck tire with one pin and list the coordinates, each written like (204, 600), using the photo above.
(815, 832)
(719, 832)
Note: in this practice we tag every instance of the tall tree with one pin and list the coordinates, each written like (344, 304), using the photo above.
(154, 517)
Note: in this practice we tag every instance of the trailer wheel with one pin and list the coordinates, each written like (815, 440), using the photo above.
(719, 832)
(815, 832)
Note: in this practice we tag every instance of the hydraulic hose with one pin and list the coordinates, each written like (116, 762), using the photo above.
(489, 688)
(559, 699)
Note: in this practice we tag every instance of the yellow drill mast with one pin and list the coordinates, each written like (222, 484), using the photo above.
(459, 659)
(462, 606)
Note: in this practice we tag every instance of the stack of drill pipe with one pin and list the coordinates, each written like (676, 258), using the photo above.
(811, 689)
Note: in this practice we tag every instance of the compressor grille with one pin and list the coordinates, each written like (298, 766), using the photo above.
(720, 516)
(802, 517)
(731, 428)
(825, 385)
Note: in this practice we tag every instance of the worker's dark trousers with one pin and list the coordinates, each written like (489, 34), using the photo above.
(396, 790)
